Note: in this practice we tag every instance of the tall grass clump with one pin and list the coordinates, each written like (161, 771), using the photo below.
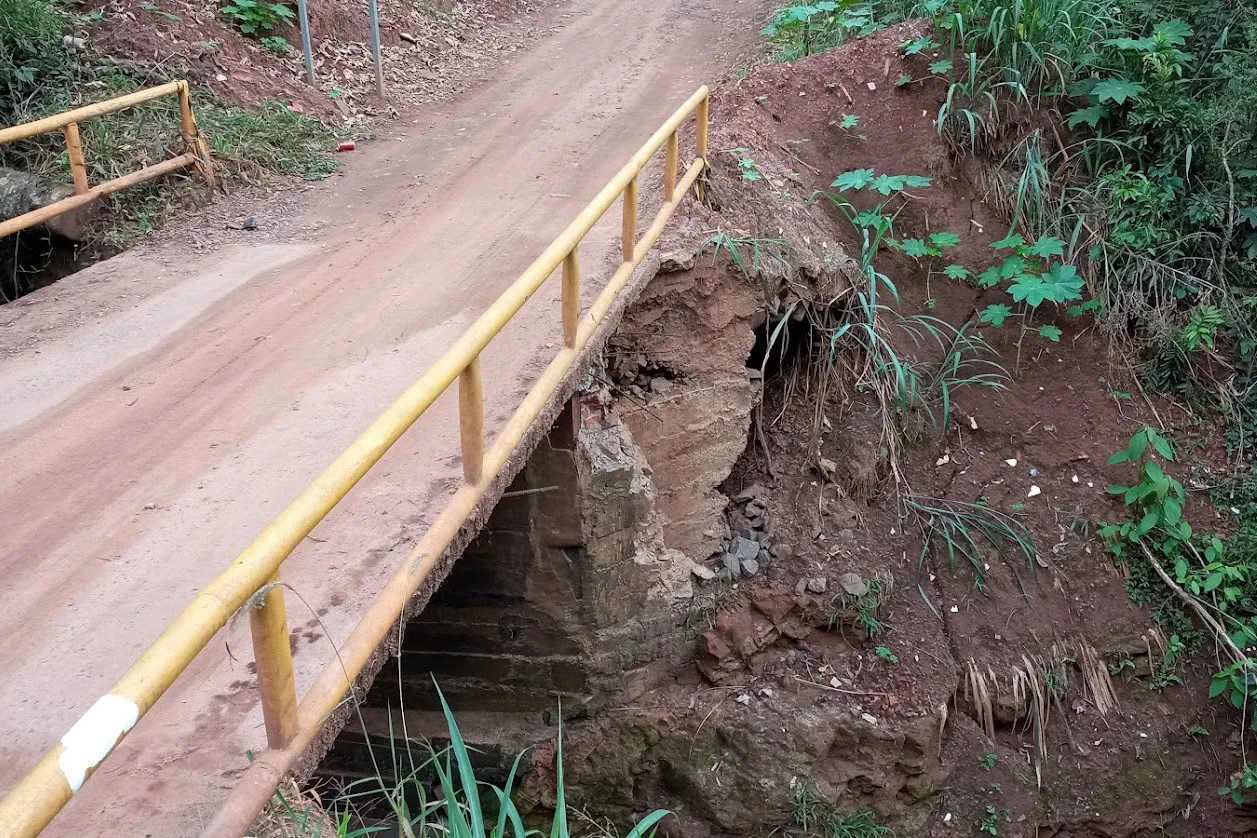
(435, 795)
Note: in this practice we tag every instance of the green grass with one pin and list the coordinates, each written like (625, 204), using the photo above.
(815, 817)
(959, 529)
(461, 806)
(1152, 182)
(39, 77)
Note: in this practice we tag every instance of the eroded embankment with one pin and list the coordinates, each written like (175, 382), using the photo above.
(803, 560)
(844, 659)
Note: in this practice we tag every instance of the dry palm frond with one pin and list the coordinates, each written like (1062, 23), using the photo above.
(1095, 677)
(1037, 709)
(978, 692)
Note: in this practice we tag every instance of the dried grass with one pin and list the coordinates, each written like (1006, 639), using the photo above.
(293, 813)
(1033, 686)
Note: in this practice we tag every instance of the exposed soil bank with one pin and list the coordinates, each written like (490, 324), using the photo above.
(851, 663)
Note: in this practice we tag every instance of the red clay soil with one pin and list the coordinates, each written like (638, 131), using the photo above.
(787, 653)
(446, 48)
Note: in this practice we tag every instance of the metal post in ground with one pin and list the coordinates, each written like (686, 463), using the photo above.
(304, 19)
(374, 10)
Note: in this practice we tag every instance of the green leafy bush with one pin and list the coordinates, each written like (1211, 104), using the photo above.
(807, 28)
(255, 16)
(1151, 182)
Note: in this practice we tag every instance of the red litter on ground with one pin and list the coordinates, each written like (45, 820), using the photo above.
(347, 145)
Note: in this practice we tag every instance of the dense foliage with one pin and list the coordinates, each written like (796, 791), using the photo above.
(1120, 137)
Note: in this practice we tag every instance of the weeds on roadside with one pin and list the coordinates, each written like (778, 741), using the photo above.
(864, 609)
(39, 76)
(1153, 189)
(875, 329)
(253, 17)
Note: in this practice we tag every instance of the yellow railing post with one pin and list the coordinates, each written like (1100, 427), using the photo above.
(78, 167)
(571, 297)
(196, 154)
(471, 421)
(630, 219)
(272, 653)
(700, 132)
(192, 142)
(672, 157)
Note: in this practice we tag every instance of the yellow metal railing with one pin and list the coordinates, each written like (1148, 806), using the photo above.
(290, 727)
(194, 154)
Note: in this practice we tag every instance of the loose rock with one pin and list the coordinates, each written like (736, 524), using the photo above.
(753, 492)
(743, 549)
(853, 584)
(817, 585)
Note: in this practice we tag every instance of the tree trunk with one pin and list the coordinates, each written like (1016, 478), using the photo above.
(21, 192)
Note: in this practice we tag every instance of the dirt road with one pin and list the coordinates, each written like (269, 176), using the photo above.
(142, 447)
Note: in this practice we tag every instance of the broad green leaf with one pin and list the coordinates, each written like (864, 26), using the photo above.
(1175, 32)
(956, 272)
(1173, 511)
(917, 46)
(1028, 289)
(1047, 246)
(1012, 266)
(995, 314)
(945, 239)
(886, 184)
(1117, 91)
(1120, 457)
(916, 181)
(990, 277)
(903, 80)
(849, 121)
(1218, 686)
(1213, 580)
(1090, 116)
(855, 179)
(914, 247)
(941, 68)
(1063, 283)
(1050, 332)
(1138, 44)
(1013, 240)
(1162, 445)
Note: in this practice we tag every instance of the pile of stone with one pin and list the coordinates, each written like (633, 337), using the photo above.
(753, 546)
